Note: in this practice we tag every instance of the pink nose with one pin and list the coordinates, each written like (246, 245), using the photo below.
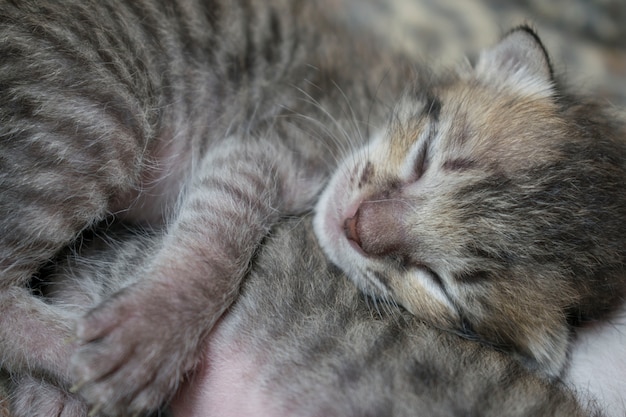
(350, 228)
(378, 228)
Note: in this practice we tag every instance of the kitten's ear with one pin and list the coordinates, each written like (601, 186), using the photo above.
(520, 61)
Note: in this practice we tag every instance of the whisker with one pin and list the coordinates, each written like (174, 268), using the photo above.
(352, 117)
(315, 102)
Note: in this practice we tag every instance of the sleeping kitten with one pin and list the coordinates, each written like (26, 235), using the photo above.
(301, 341)
(218, 118)
(212, 117)
(492, 204)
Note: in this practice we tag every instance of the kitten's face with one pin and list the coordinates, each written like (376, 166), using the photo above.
(466, 209)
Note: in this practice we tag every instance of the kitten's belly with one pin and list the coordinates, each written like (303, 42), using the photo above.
(227, 384)
(230, 382)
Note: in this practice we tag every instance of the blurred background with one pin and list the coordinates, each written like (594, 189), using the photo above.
(585, 38)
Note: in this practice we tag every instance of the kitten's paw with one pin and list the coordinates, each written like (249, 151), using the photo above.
(32, 397)
(135, 349)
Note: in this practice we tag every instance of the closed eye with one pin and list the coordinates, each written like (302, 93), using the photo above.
(436, 279)
(421, 162)
(458, 164)
(434, 284)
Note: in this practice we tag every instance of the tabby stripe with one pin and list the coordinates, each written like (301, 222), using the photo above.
(272, 44)
(80, 53)
(53, 86)
(87, 136)
(231, 194)
(259, 179)
(249, 46)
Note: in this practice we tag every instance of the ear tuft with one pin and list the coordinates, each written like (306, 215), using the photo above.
(519, 61)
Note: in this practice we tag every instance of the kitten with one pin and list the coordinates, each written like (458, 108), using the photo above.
(491, 205)
(302, 341)
(212, 117)
(218, 118)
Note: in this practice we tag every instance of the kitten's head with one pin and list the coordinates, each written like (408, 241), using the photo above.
(491, 205)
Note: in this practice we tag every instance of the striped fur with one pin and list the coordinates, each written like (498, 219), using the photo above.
(313, 345)
(211, 118)
(492, 206)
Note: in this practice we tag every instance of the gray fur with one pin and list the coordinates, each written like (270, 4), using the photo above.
(213, 119)
(321, 348)
(492, 204)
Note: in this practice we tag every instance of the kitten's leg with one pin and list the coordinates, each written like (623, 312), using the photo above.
(50, 191)
(78, 282)
(138, 345)
(32, 397)
(34, 336)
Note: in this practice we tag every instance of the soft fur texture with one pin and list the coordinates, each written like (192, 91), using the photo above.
(492, 204)
(486, 200)
(213, 118)
(597, 368)
(302, 341)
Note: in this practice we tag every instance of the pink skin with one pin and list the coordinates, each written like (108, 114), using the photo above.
(227, 383)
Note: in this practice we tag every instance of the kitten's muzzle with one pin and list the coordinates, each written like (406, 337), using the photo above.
(377, 228)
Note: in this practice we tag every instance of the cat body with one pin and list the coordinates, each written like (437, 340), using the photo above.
(472, 198)
(212, 118)
(301, 340)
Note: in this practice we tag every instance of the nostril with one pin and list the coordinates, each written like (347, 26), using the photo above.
(350, 228)
(378, 229)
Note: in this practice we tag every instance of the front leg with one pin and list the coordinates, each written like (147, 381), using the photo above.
(138, 345)
(35, 397)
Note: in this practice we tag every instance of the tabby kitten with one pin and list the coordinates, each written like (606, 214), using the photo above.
(493, 204)
(301, 341)
(211, 117)
(217, 118)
